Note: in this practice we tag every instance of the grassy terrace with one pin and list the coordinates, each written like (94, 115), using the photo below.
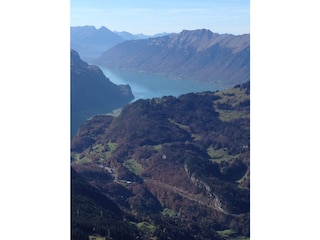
(78, 158)
(243, 178)
(219, 155)
(133, 166)
(147, 227)
(96, 151)
(169, 213)
(111, 147)
(232, 97)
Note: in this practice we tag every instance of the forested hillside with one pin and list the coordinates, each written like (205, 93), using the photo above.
(168, 168)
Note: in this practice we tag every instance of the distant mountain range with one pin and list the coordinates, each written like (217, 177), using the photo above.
(170, 168)
(129, 36)
(92, 92)
(91, 42)
(200, 55)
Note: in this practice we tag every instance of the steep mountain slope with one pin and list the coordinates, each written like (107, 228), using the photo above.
(180, 166)
(92, 93)
(201, 55)
(90, 42)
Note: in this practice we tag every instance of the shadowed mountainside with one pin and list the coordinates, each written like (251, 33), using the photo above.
(92, 93)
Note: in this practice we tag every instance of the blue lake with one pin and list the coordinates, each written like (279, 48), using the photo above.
(145, 85)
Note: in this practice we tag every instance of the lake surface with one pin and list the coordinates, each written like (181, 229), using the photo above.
(145, 85)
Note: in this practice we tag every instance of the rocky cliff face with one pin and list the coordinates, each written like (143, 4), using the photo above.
(200, 55)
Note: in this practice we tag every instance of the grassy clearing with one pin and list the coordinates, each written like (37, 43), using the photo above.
(232, 97)
(241, 181)
(157, 147)
(226, 232)
(133, 166)
(196, 137)
(97, 151)
(84, 160)
(111, 147)
(231, 235)
(243, 178)
(75, 157)
(219, 155)
(146, 227)
(229, 115)
(215, 154)
(78, 160)
(169, 213)
(97, 148)
(96, 237)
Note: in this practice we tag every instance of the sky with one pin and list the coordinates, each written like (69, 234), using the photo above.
(158, 16)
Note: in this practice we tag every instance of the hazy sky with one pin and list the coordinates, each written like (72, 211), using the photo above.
(156, 16)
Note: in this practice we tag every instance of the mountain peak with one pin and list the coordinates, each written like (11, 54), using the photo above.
(76, 60)
(89, 28)
(91, 42)
(199, 39)
(199, 33)
(104, 29)
(203, 30)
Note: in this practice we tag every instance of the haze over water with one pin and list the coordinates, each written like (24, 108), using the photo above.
(145, 85)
